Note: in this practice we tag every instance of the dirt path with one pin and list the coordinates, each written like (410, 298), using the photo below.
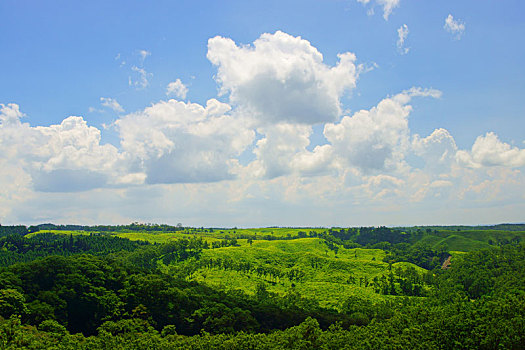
(446, 263)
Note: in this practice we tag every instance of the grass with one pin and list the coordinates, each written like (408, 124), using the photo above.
(59, 232)
(469, 240)
(326, 274)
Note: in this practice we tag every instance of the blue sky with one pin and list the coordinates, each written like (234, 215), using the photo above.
(235, 113)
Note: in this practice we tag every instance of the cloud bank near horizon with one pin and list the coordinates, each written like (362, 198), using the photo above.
(253, 144)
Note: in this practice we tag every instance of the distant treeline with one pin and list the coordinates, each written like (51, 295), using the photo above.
(13, 230)
(150, 227)
(22, 230)
(499, 227)
(16, 248)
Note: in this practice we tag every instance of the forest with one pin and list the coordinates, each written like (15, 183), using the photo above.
(149, 286)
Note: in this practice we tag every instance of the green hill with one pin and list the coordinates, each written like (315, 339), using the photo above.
(305, 266)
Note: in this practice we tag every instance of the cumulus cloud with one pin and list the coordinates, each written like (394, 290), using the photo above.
(438, 150)
(376, 139)
(282, 78)
(64, 157)
(178, 142)
(177, 88)
(111, 104)
(455, 27)
(402, 34)
(381, 186)
(388, 6)
(489, 151)
(283, 151)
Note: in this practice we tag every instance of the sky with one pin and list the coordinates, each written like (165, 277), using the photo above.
(262, 113)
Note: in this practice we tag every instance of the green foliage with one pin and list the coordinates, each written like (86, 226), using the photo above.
(16, 248)
(19, 230)
(303, 289)
(419, 254)
(53, 327)
(12, 302)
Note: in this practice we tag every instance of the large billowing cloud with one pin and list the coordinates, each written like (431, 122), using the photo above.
(173, 141)
(64, 157)
(283, 151)
(375, 140)
(282, 78)
(489, 151)
(438, 150)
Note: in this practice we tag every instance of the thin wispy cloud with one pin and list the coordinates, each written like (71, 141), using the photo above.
(111, 104)
(387, 5)
(143, 55)
(140, 78)
(402, 34)
(455, 27)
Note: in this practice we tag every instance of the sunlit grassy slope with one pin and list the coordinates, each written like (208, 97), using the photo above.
(58, 232)
(328, 277)
(468, 240)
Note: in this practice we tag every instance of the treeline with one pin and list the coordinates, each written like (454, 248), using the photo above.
(479, 303)
(110, 228)
(16, 248)
(19, 230)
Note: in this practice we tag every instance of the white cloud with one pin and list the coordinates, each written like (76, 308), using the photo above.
(455, 27)
(402, 34)
(388, 6)
(139, 78)
(111, 104)
(10, 115)
(489, 151)
(376, 139)
(282, 78)
(282, 151)
(438, 150)
(64, 157)
(178, 142)
(177, 88)
(280, 144)
(382, 186)
(143, 54)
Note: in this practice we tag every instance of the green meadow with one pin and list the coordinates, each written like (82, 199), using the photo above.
(325, 276)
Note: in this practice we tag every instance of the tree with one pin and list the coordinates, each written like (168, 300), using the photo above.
(12, 302)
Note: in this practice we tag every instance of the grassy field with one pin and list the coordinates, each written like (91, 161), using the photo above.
(58, 232)
(468, 240)
(327, 277)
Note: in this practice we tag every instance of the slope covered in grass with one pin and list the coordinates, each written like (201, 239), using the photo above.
(305, 266)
